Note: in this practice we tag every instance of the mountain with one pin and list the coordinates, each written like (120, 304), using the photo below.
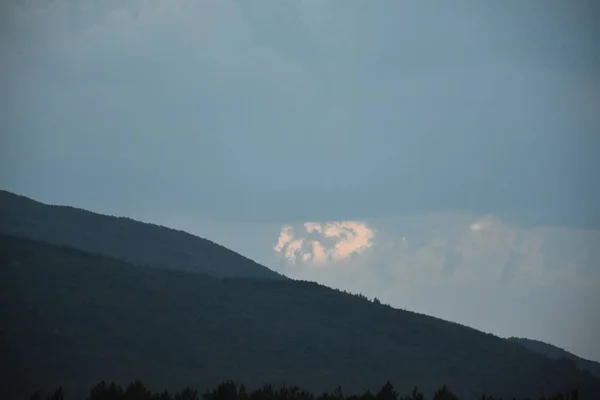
(557, 353)
(123, 238)
(74, 318)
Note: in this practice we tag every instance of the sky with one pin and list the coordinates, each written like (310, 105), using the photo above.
(442, 158)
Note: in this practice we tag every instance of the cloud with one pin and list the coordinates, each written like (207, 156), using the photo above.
(477, 226)
(285, 237)
(329, 241)
(457, 250)
(287, 244)
(319, 253)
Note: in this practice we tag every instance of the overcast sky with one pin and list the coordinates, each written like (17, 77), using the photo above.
(442, 158)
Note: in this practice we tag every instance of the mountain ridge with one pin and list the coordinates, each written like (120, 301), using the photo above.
(124, 238)
(557, 353)
(74, 318)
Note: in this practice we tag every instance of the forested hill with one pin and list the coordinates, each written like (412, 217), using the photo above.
(73, 318)
(557, 353)
(123, 238)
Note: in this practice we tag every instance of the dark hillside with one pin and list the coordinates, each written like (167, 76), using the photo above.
(123, 238)
(557, 353)
(72, 318)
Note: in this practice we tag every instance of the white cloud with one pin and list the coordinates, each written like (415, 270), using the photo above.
(287, 244)
(477, 226)
(313, 227)
(330, 241)
(319, 253)
(285, 237)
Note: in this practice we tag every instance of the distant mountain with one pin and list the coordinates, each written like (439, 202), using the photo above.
(123, 238)
(73, 318)
(557, 353)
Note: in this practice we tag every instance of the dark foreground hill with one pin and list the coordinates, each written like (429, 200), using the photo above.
(73, 318)
(557, 353)
(123, 238)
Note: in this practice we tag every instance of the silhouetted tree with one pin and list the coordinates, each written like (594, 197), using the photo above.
(225, 391)
(187, 394)
(415, 395)
(59, 394)
(102, 391)
(338, 394)
(264, 393)
(444, 394)
(242, 394)
(387, 392)
(292, 393)
(162, 396)
(137, 391)
(574, 395)
(368, 395)
(230, 391)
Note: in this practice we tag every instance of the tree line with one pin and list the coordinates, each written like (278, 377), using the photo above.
(228, 390)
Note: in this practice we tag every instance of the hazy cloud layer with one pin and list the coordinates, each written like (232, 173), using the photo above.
(454, 250)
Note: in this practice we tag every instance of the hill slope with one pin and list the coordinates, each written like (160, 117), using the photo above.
(123, 238)
(557, 353)
(74, 318)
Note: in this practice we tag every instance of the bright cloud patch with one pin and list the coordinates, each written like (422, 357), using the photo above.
(318, 242)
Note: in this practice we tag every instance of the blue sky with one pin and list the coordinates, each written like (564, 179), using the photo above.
(442, 158)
